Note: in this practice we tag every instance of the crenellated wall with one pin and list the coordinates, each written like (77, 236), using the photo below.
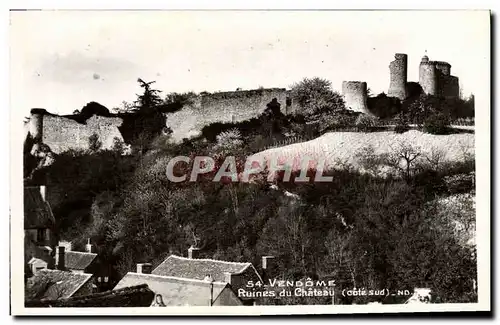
(355, 95)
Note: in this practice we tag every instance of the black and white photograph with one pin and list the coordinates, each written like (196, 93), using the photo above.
(249, 162)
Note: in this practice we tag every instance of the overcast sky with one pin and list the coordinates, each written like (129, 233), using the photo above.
(62, 60)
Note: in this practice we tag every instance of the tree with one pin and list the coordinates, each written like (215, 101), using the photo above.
(150, 99)
(175, 101)
(403, 159)
(94, 108)
(315, 96)
(125, 107)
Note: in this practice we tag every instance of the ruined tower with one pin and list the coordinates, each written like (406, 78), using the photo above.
(447, 84)
(399, 75)
(427, 76)
(436, 79)
(355, 95)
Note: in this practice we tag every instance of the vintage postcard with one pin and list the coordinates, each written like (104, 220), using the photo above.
(176, 162)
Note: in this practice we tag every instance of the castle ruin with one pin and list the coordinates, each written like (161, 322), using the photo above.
(62, 133)
(434, 78)
(398, 76)
(355, 95)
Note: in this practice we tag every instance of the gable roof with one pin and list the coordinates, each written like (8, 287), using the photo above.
(37, 212)
(78, 260)
(175, 291)
(136, 296)
(190, 268)
(56, 284)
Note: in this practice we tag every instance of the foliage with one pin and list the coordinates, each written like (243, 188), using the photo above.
(366, 122)
(315, 96)
(94, 108)
(437, 123)
(176, 101)
(402, 125)
(418, 109)
(459, 183)
(380, 229)
(94, 143)
(383, 106)
(338, 119)
(229, 140)
(125, 107)
(148, 101)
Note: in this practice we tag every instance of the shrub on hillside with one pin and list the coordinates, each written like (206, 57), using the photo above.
(401, 124)
(229, 139)
(338, 119)
(383, 106)
(316, 96)
(459, 183)
(401, 128)
(366, 122)
(437, 123)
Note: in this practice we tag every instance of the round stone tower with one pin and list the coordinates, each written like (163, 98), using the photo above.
(427, 76)
(355, 95)
(399, 75)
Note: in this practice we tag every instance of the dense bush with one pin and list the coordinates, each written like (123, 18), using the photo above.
(460, 183)
(338, 119)
(401, 123)
(316, 96)
(365, 122)
(420, 108)
(383, 106)
(438, 123)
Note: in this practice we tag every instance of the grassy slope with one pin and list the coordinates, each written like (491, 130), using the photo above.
(344, 147)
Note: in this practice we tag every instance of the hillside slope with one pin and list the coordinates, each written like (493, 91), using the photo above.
(344, 147)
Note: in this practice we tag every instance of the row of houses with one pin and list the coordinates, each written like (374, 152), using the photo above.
(57, 275)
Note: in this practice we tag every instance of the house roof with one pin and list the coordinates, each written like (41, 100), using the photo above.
(136, 296)
(35, 260)
(37, 212)
(55, 284)
(78, 260)
(175, 291)
(183, 267)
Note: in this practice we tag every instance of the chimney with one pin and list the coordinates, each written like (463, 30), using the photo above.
(227, 277)
(193, 252)
(88, 246)
(60, 259)
(67, 245)
(43, 192)
(267, 266)
(144, 268)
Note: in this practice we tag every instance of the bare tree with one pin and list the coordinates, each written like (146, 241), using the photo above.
(435, 158)
(403, 158)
